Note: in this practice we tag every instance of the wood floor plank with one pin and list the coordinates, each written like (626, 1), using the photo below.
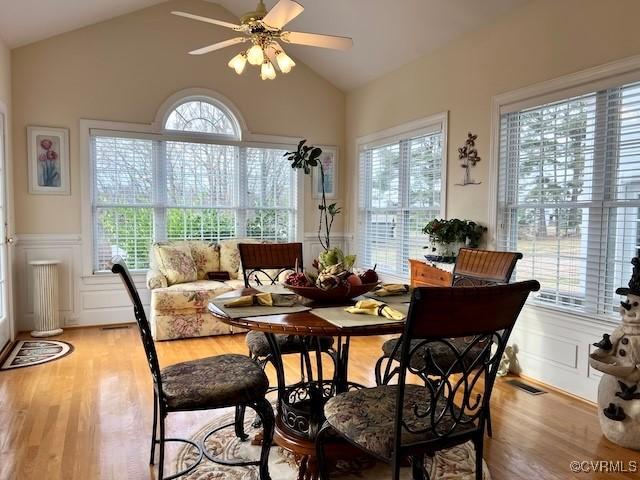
(88, 415)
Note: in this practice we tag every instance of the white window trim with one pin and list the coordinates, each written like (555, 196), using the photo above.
(593, 79)
(155, 130)
(432, 123)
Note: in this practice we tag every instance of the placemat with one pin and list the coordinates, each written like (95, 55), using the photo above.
(254, 310)
(338, 317)
(403, 298)
(277, 288)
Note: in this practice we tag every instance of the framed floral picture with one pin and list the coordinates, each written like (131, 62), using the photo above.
(48, 156)
(329, 159)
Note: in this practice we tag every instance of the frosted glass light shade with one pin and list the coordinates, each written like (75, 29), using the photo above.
(285, 63)
(255, 55)
(238, 63)
(267, 72)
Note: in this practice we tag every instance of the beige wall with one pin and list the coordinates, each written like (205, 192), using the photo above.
(5, 73)
(542, 40)
(123, 69)
(5, 98)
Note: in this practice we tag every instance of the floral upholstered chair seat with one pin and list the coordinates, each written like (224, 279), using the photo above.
(214, 382)
(367, 417)
(181, 291)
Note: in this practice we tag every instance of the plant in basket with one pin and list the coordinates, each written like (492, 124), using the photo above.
(335, 278)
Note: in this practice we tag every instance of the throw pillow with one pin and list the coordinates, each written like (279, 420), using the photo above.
(206, 257)
(176, 263)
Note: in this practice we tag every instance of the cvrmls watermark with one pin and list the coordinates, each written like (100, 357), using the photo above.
(605, 466)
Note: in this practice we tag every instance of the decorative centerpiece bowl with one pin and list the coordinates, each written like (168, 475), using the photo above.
(337, 294)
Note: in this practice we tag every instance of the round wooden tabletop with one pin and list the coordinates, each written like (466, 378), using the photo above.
(301, 323)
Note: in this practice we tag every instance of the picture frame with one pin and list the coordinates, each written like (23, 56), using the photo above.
(329, 159)
(48, 160)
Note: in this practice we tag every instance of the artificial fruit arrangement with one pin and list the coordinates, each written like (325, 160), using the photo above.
(334, 279)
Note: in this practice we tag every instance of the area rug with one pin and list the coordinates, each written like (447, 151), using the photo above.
(35, 352)
(453, 464)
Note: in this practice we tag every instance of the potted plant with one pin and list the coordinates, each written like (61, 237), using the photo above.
(306, 158)
(446, 237)
(335, 278)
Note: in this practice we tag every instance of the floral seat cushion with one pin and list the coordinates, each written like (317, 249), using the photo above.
(443, 357)
(192, 295)
(367, 417)
(213, 382)
(259, 346)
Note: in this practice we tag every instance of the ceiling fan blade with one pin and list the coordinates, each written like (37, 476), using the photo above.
(218, 46)
(206, 19)
(282, 13)
(318, 40)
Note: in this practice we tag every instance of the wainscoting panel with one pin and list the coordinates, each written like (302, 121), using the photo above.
(312, 246)
(84, 300)
(554, 348)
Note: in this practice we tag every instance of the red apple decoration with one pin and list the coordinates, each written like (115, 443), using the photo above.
(354, 280)
(370, 276)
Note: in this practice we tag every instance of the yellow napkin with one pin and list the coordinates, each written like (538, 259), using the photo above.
(375, 308)
(391, 289)
(262, 299)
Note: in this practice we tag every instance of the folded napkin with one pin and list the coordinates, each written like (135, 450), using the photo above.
(261, 300)
(375, 308)
(389, 289)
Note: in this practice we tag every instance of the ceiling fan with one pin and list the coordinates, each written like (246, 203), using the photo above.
(264, 30)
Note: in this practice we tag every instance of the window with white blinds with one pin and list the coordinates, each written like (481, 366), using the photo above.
(150, 189)
(569, 196)
(401, 186)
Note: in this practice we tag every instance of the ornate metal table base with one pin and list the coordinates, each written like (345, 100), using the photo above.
(301, 405)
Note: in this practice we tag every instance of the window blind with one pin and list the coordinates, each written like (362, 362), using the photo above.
(569, 196)
(400, 191)
(152, 190)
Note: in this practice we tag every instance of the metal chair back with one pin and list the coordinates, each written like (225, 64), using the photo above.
(119, 267)
(457, 401)
(265, 258)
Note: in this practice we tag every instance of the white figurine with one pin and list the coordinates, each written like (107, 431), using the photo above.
(618, 357)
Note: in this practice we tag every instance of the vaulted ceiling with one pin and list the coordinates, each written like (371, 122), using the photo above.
(386, 33)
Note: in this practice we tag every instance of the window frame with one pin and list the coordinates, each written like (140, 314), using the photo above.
(155, 131)
(596, 79)
(423, 126)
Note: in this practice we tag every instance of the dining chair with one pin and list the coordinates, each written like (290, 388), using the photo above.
(473, 268)
(204, 384)
(267, 262)
(406, 420)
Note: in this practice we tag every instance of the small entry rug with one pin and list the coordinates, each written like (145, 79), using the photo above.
(453, 464)
(34, 352)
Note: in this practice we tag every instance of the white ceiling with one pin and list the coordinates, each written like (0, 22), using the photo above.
(386, 33)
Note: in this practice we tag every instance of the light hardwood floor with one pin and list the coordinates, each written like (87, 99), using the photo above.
(88, 415)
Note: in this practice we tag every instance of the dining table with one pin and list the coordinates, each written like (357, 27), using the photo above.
(300, 405)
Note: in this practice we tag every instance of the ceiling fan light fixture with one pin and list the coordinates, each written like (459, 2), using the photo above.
(267, 72)
(238, 62)
(285, 63)
(265, 29)
(255, 55)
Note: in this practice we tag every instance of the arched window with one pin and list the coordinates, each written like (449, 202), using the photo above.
(203, 116)
(194, 178)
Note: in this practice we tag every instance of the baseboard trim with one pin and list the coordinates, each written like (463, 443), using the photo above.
(93, 325)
